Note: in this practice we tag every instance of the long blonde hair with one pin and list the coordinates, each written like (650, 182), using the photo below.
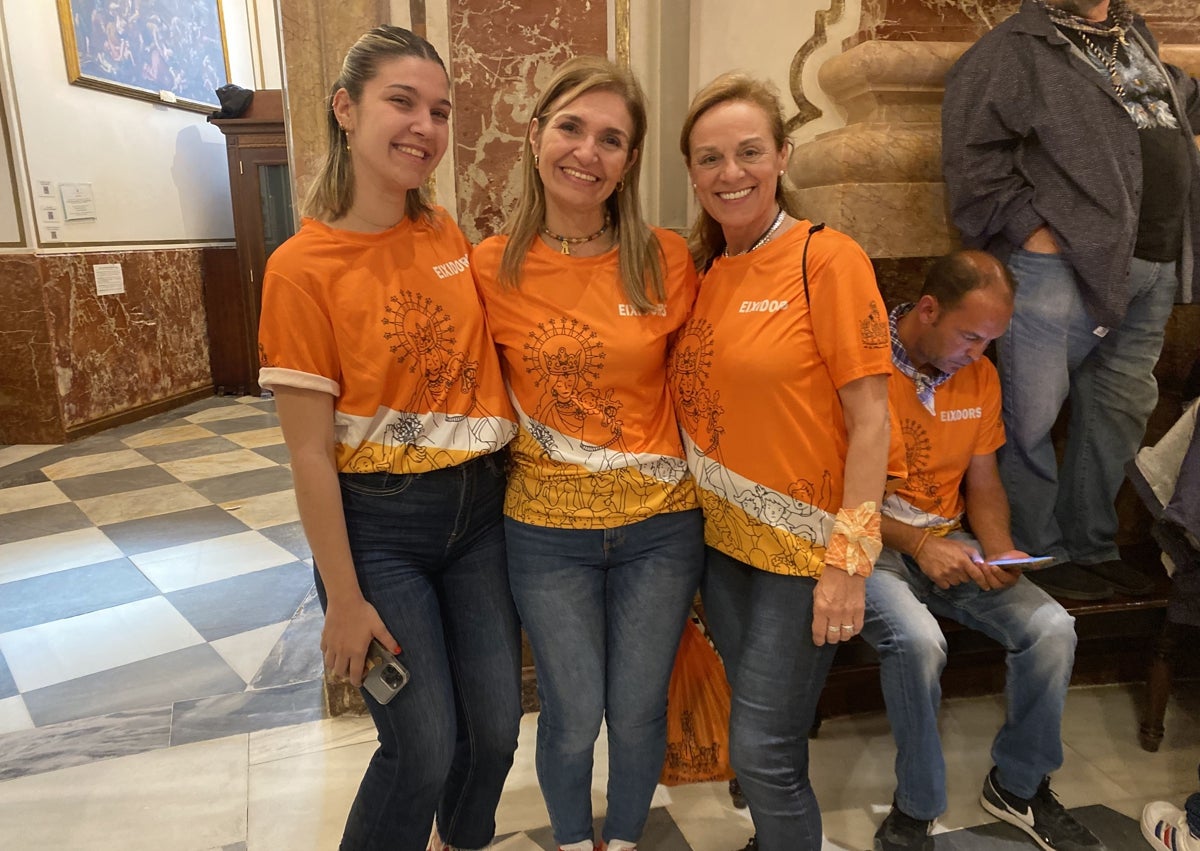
(707, 240)
(638, 250)
(332, 192)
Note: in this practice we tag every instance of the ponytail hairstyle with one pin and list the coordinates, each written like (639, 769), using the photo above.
(332, 192)
(707, 240)
(638, 250)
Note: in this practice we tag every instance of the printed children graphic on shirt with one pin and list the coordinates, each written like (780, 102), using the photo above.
(700, 414)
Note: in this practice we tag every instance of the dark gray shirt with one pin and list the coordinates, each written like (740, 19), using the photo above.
(1032, 136)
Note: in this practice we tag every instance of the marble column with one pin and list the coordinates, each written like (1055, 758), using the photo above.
(879, 177)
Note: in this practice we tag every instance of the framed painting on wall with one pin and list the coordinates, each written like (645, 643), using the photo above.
(170, 51)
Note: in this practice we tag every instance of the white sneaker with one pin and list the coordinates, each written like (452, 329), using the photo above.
(621, 845)
(1166, 829)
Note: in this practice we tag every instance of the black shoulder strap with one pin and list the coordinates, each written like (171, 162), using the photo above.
(804, 257)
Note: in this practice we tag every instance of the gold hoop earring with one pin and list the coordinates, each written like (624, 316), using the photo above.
(620, 184)
(535, 161)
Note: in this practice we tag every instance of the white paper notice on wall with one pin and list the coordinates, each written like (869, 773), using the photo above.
(110, 280)
(78, 201)
(48, 213)
(45, 189)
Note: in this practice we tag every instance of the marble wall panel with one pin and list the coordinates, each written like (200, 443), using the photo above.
(29, 407)
(501, 54)
(114, 353)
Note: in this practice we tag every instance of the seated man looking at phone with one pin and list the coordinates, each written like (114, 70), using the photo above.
(946, 397)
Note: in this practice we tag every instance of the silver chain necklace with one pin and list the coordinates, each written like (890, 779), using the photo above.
(762, 240)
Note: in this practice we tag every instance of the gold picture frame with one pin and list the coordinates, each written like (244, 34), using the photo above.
(168, 51)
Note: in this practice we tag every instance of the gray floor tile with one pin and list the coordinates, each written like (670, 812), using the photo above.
(80, 742)
(67, 593)
(188, 449)
(22, 473)
(170, 530)
(97, 443)
(8, 686)
(236, 424)
(115, 481)
(1111, 828)
(245, 484)
(290, 536)
(296, 657)
(661, 833)
(226, 715)
(159, 681)
(39, 522)
(277, 453)
(224, 608)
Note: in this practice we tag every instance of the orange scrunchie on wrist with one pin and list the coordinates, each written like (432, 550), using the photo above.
(856, 541)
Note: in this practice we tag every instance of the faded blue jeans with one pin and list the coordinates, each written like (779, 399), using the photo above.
(762, 625)
(604, 610)
(1036, 632)
(429, 553)
(1050, 352)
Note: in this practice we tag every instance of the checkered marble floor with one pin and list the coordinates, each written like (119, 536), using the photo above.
(160, 678)
(153, 589)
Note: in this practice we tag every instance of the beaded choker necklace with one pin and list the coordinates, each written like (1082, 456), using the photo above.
(1109, 60)
(762, 240)
(568, 241)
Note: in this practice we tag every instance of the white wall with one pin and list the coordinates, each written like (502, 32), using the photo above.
(158, 173)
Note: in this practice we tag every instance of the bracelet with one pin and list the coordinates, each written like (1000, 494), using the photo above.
(855, 542)
(921, 543)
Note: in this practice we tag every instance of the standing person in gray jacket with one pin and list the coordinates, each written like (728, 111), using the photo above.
(1068, 152)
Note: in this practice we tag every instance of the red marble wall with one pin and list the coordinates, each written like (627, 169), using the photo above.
(29, 404)
(499, 57)
(72, 357)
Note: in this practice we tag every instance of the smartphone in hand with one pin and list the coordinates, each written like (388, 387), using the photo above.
(1024, 564)
(385, 673)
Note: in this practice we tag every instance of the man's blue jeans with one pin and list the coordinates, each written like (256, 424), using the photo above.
(429, 553)
(1036, 632)
(604, 609)
(762, 625)
(1050, 351)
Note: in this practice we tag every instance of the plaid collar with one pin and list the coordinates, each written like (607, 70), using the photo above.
(926, 385)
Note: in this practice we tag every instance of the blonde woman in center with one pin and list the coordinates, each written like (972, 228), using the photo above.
(602, 522)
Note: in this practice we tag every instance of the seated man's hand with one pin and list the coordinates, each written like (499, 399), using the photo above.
(948, 562)
(1003, 577)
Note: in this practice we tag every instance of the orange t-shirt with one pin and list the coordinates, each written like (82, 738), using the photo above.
(939, 447)
(755, 375)
(598, 445)
(390, 325)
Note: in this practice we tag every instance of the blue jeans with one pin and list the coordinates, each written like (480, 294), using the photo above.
(1036, 632)
(762, 625)
(1050, 352)
(429, 552)
(604, 609)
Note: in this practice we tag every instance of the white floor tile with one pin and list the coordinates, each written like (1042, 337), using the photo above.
(301, 803)
(13, 715)
(169, 434)
(221, 464)
(102, 462)
(188, 565)
(224, 412)
(51, 553)
(257, 437)
(134, 505)
(246, 651)
(183, 798)
(54, 652)
(313, 737)
(31, 496)
(21, 451)
(269, 509)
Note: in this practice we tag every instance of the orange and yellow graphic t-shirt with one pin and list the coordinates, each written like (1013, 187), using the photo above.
(938, 446)
(598, 445)
(390, 325)
(756, 373)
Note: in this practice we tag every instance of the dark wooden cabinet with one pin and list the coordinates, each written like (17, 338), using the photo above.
(260, 186)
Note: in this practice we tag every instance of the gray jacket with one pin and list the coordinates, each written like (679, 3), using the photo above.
(1033, 135)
